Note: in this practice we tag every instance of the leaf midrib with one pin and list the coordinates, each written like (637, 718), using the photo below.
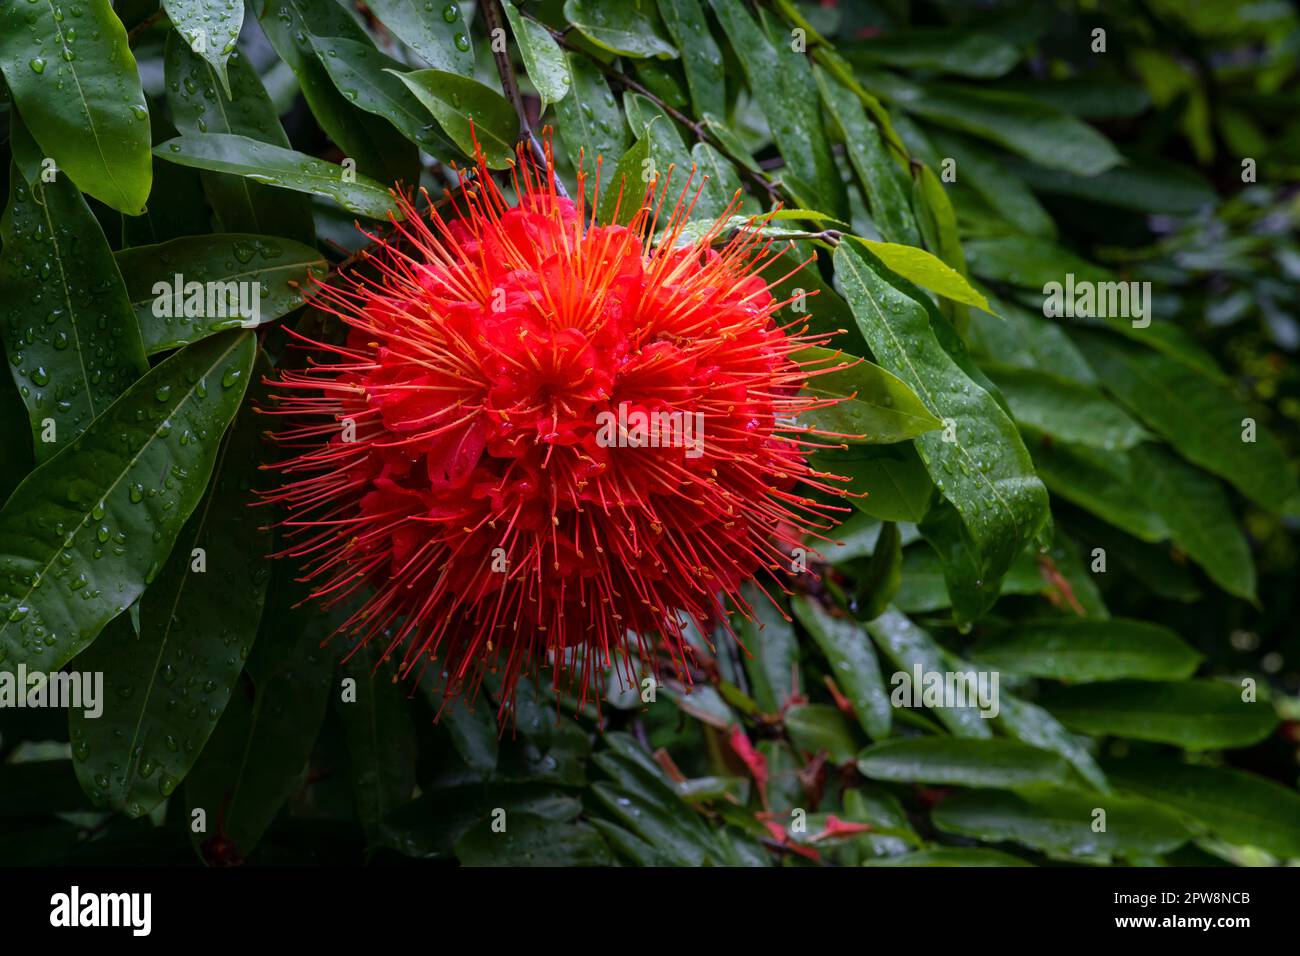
(85, 104)
(183, 399)
(134, 764)
(961, 448)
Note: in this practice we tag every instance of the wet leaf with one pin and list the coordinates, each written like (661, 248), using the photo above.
(273, 273)
(86, 532)
(276, 166)
(79, 92)
(166, 687)
(947, 761)
(68, 330)
(459, 104)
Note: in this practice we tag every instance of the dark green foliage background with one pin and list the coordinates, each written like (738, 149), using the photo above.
(1066, 501)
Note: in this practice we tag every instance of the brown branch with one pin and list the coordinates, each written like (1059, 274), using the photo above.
(142, 27)
(494, 16)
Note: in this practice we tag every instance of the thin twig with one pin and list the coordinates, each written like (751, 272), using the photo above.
(140, 28)
(495, 16)
(698, 129)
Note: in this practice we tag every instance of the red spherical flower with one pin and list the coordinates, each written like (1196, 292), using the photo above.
(547, 439)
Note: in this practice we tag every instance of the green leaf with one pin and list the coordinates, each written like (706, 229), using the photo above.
(771, 652)
(456, 102)
(895, 482)
(853, 662)
(985, 473)
(719, 183)
(923, 269)
(441, 40)
(783, 85)
(1202, 420)
(1026, 340)
(629, 846)
(371, 80)
(210, 29)
(1141, 185)
(82, 102)
(795, 273)
(1029, 262)
(878, 807)
(877, 172)
(670, 160)
(280, 268)
(621, 193)
(879, 578)
(432, 823)
(380, 737)
(909, 648)
(1167, 574)
(276, 166)
(701, 58)
(68, 331)
(957, 50)
(950, 856)
(663, 827)
(704, 704)
(947, 761)
(1102, 482)
(938, 221)
(984, 171)
(1235, 806)
(1060, 823)
(257, 755)
(198, 104)
(1067, 411)
(924, 588)
(731, 142)
(1033, 725)
(166, 687)
(530, 840)
(1081, 650)
(543, 58)
(378, 150)
(1195, 715)
(1195, 508)
(84, 533)
(1026, 126)
(854, 538)
(820, 728)
(630, 766)
(874, 404)
(1064, 569)
(591, 121)
(560, 758)
(626, 27)
(762, 224)
(473, 729)
(1091, 97)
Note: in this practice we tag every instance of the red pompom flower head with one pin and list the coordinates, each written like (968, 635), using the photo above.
(548, 441)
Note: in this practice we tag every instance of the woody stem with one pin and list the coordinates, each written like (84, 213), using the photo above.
(495, 17)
